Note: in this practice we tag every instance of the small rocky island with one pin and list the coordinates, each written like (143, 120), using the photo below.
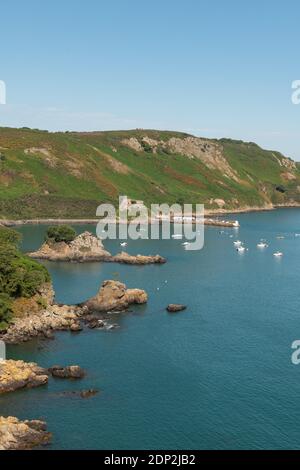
(85, 248)
(114, 297)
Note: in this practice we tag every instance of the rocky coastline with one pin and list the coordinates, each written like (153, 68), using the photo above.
(113, 296)
(15, 375)
(41, 317)
(22, 435)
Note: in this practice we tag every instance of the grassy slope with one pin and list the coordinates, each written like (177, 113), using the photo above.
(69, 174)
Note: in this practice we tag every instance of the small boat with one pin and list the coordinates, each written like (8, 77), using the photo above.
(185, 244)
(280, 237)
(237, 243)
(278, 254)
(262, 245)
(241, 249)
(123, 244)
(177, 236)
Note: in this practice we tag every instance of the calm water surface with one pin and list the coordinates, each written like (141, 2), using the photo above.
(217, 376)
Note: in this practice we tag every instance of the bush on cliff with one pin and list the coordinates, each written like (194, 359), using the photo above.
(9, 236)
(20, 276)
(5, 310)
(60, 233)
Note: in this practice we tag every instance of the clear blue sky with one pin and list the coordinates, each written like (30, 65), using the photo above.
(210, 67)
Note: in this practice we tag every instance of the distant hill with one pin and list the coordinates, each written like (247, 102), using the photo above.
(68, 175)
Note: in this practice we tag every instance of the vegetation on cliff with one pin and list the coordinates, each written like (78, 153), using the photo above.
(67, 175)
(60, 233)
(20, 276)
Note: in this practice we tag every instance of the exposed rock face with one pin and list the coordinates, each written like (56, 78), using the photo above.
(87, 247)
(22, 435)
(133, 143)
(18, 374)
(70, 372)
(113, 296)
(210, 153)
(43, 323)
(173, 308)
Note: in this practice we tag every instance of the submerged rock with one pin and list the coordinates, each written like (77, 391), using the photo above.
(89, 393)
(22, 435)
(173, 308)
(113, 296)
(18, 374)
(70, 372)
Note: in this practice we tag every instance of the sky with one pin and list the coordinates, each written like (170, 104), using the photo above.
(212, 68)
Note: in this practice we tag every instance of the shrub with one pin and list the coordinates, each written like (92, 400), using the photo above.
(20, 276)
(5, 311)
(60, 233)
(9, 236)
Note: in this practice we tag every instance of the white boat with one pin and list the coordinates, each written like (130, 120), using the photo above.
(280, 237)
(185, 243)
(241, 249)
(278, 254)
(123, 244)
(262, 245)
(237, 243)
(177, 236)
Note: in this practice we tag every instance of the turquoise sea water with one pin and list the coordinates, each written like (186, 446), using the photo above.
(217, 376)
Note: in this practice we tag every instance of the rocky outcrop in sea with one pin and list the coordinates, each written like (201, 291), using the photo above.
(114, 296)
(85, 248)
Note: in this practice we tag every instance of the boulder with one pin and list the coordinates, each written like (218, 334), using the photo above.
(173, 308)
(70, 372)
(114, 296)
(76, 327)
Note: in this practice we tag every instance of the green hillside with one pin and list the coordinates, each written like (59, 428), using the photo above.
(69, 174)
